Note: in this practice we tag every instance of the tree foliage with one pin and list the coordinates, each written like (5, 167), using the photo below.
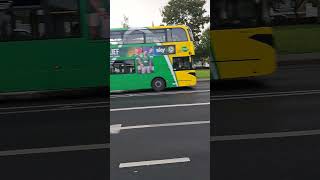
(203, 47)
(187, 12)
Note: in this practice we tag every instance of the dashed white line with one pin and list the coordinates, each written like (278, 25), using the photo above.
(54, 149)
(158, 107)
(54, 109)
(154, 162)
(264, 95)
(55, 105)
(265, 135)
(115, 129)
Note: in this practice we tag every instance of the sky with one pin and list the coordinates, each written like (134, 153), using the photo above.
(141, 13)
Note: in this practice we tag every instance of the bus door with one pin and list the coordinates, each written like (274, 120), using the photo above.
(242, 44)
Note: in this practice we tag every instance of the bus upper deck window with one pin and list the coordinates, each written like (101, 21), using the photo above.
(116, 37)
(98, 18)
(177, 35)
(133, 37)
(235, 14)
(156, 36)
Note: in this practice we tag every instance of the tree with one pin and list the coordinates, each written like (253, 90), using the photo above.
(187, 12)
(125, 22)
(203, 47)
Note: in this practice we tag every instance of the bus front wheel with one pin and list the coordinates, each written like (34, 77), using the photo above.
(158, 84)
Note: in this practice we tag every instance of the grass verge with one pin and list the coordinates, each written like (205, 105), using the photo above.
(203, 73)
(297, 39)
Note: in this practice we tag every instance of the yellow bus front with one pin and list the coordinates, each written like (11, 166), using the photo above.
(241, 40)
(182, 59)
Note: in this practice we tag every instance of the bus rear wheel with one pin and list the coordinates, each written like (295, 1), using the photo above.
(158, 84)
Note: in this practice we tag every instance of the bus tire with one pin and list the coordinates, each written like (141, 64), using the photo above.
(158, 84)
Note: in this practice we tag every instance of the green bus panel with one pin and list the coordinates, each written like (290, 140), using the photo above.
(134, 81)
(55, 64)
(42, 65)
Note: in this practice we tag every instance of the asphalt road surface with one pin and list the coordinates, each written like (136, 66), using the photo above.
(267, 128)
(54, 137)
(264, 128)
(162, 135)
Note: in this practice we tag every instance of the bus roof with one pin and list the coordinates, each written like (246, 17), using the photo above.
(151, 27)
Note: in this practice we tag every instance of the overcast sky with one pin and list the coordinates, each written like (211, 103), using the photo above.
(141, 13)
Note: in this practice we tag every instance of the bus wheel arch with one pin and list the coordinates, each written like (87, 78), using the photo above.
(158, 84)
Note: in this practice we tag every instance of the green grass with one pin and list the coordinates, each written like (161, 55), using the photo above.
(297, 39)
(203, 73)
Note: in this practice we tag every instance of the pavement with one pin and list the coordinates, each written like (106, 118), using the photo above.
(161, 135)
(54, 138)
(268, 127)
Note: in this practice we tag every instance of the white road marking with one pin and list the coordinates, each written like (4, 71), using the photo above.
(157, 94)
(158, 107)
(264, 95)
(154, 162)
(265, 135)
(115, 129)
(54, 109)
(54, 149)
(55, 105)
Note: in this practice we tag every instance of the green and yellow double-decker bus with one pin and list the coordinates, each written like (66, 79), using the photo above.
(53, 44)
(241, 39)
(151, 58)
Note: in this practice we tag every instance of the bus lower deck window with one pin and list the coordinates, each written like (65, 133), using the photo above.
(182, 63)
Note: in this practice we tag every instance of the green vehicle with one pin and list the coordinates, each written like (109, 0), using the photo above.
(151, 58)
(53, 44)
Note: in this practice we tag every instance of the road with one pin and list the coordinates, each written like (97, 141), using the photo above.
(267, 128)
(161, 135)
(264, 128)
(54, 137)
